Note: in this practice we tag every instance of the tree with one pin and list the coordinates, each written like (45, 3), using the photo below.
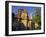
(37, 17)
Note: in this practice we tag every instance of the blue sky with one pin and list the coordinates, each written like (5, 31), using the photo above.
(30, 10)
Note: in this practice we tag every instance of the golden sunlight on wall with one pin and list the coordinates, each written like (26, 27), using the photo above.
(24, 17)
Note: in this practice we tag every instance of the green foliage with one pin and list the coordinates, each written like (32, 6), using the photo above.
(36, 18)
